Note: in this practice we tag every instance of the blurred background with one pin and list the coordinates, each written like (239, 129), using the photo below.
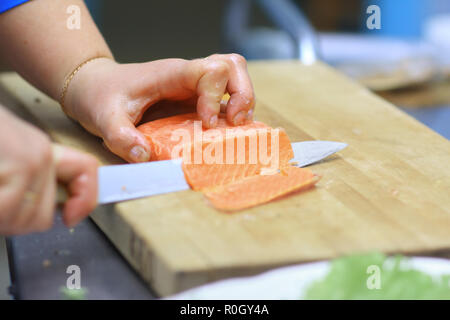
(406, 60)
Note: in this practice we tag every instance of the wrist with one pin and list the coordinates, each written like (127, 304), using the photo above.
(84, 80)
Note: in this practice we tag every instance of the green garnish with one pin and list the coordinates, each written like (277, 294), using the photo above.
(374, 276)
(74, 294)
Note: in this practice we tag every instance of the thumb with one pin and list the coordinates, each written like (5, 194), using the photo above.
(122, 138)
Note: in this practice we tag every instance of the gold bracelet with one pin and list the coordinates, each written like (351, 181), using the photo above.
(71, 75)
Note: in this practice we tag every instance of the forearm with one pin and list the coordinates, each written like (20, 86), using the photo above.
(37, 43)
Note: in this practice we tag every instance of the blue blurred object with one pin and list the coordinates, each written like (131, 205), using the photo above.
(398, 18)
(6, 5)
(403, 19)
(437, 118)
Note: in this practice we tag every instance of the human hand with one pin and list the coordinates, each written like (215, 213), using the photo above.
(29, 169)
(109, 99)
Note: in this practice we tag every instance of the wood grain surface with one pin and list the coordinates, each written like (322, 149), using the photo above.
(389, 190)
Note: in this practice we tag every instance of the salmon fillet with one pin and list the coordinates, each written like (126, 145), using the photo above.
(256, 190)
(235, 167)
(219, 156)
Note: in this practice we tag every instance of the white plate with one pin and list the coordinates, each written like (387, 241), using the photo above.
(287, 283)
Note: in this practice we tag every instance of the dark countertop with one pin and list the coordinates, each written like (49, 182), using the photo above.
(39, 262)
(436, 118)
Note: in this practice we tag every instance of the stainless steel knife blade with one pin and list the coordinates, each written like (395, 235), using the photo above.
(132, 181)
(309, 152)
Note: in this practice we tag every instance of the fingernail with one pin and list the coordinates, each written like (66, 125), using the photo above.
(213, 121)
(250, 114)
(138, 154)
(239, 118)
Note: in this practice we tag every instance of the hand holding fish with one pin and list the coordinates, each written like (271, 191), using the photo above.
(109, 99)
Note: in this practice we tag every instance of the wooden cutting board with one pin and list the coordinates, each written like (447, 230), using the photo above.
(389, 190)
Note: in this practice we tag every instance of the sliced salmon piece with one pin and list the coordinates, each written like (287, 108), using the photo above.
(259, 189)
(219, 156)
(222, 163)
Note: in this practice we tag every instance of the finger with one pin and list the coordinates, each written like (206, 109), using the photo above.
(78, 171)
(45, 208)
(11, 198)
(121, 137)
(242, 99)
(21, 202)
(34, 213)
(204, 79)
(223, 106)
(211, 86)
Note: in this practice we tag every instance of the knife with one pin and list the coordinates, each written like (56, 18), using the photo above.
(132, 181)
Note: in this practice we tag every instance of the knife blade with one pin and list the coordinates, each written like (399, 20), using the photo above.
(132, 181)
(309, 152)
